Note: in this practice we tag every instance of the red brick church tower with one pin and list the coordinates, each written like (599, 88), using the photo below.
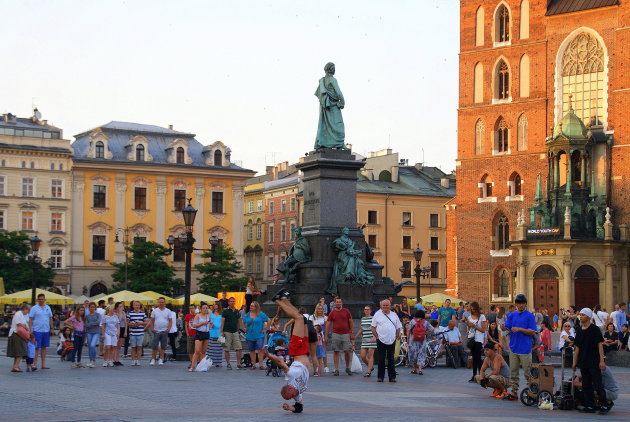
(523, 65)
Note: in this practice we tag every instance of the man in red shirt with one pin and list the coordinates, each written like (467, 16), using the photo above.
(190, 332)
(342, 337)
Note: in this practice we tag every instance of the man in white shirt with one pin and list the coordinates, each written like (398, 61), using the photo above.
(386, 329)
(453, 336)
(160, 326)
(172, 335)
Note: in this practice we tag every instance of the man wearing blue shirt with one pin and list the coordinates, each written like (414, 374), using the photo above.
(620, 317)
(419, 306)
(40, 323)
(522, 327)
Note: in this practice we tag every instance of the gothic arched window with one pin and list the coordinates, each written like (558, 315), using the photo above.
(480, 129)
(501, 133)
(583, 78)
(502, 233)
(502, 81)
(502, 24)
(502, 287)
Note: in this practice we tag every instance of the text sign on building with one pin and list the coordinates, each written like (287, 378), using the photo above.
(544, 231)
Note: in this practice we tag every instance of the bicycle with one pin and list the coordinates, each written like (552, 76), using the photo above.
(403, 354)
(438, 347)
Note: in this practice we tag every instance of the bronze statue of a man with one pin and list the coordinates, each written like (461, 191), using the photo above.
(331, 132)
(300, 252)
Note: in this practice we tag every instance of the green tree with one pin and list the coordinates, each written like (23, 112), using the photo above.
(146, 270)
(15, 268)
(222, 272)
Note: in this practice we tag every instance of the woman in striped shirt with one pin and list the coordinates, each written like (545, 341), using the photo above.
(215, 349)
(136, 321)
(368, 343)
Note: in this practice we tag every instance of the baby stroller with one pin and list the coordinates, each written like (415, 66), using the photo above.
(272, 368)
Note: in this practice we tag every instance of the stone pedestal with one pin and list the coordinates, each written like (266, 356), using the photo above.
(329, 180)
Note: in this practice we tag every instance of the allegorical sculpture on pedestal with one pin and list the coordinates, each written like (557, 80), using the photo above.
(300, 252)
(331, 132)
(349, 267)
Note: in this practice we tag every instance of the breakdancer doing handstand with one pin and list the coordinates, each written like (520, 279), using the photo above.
(296, 375)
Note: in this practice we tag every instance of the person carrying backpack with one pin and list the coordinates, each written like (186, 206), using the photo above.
(417, 333)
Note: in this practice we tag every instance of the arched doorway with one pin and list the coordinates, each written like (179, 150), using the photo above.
(586, 287)
(97, 289)
(546, 288)
(55, 290)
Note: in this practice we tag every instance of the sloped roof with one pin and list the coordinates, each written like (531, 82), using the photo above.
(160, 139)
(28, 124)
(557, 7)
(411, 181)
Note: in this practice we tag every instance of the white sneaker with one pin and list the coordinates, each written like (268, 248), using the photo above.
(111, 363)
(326, 370)
(137, 363)
(74, 365)
(160, 362)
(105, 364)
(152, 362)
(91, 364)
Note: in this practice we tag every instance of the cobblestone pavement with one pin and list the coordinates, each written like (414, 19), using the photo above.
(170, 393)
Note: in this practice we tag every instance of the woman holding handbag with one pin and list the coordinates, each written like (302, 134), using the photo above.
(477, 327)
(18, 335)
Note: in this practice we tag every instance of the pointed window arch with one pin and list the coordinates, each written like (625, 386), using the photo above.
(524, 24)
(480, 129)
(478, 84)
(524, 76)
(501, 135)
(479, 27)
(502, 233)
(583, 72)
(514, 184)
(485, 186)
(522, 133)
(502, 80)
(502, 24)
(502, 283)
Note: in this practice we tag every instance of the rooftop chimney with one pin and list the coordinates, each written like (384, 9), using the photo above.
(445, 182)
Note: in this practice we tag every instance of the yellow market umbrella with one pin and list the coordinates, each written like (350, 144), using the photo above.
(127, 296)
(25, 296)
(438, 299)
(97, 297)
(196, 299)
(156, 296)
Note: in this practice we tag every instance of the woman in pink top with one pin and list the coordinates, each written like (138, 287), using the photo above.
(545, 335)
(76, 323)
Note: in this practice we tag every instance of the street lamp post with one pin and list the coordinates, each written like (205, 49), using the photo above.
(419, 272)
(126, 242)
(187, 242)
(35, 260)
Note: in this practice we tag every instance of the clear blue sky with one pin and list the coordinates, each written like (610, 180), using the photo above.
(243, 72)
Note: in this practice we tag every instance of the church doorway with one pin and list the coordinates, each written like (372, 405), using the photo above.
(586, 287)
(97, 289)
(546, 289)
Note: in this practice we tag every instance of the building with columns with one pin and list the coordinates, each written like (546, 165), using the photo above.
(543, 152)
(35, 188)
(139, 177)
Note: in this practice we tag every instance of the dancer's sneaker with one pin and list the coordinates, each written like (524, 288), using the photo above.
(281, 294)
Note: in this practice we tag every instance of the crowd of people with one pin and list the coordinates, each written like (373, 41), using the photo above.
(495, 345)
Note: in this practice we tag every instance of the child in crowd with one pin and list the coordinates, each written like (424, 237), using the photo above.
(320, 353)
(281, 349)
(66, 343)
(30, 353)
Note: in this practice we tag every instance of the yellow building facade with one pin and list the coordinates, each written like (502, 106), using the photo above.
(254, 229)
(402, 207)
(137, 178)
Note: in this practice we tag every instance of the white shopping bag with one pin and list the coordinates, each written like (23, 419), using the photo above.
(356, 364)
(204, 364)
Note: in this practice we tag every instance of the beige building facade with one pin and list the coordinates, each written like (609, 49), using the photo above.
(35, 188)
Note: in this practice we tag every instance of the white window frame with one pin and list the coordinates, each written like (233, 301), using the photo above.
(61, 221)
(24, 185)
(53, 187)
(3, 219)
(56, 259)
(283, 232)
(3, 183)
(250, 232)
(259, 205)
(251, 207)
(33, 219)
